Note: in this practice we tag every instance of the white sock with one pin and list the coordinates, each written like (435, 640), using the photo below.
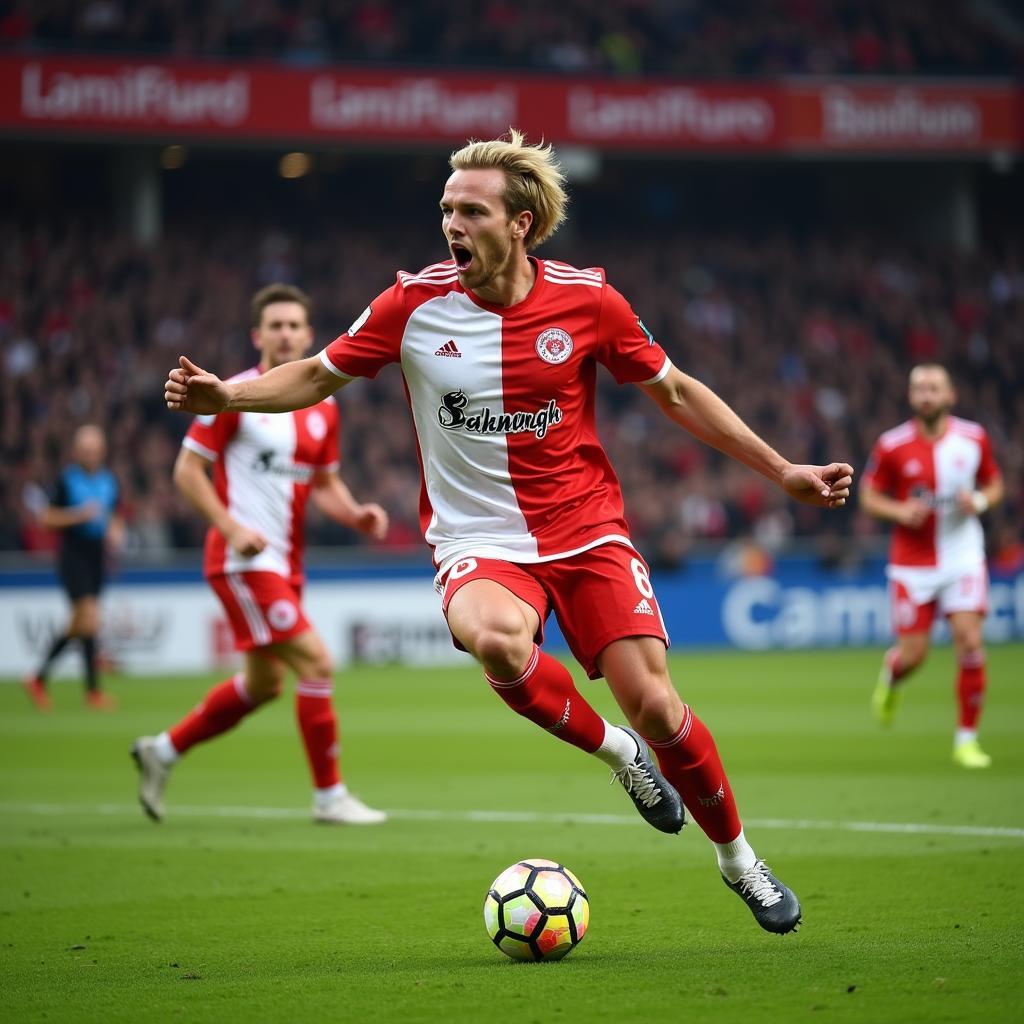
(617, 748)
(322, 797)
(964, 736)
(734, 858)
(164, 749)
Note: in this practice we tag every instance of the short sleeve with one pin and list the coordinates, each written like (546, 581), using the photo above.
(209, 435)
(878, 473)
(987, 468)
(373, 341)
(625, 346)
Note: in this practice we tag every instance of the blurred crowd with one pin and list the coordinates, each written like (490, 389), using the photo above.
(809, 340)
(680, 37)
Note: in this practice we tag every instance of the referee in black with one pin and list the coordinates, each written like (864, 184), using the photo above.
(84, 509)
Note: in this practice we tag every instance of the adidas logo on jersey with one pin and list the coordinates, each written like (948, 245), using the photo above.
(449, 349)
(643, 608)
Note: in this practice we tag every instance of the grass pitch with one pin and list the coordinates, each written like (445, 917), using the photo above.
(237, 908)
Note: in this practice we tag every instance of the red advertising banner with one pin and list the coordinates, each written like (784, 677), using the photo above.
(184, 101)
(963, 117)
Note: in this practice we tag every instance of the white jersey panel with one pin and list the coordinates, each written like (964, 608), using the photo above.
(260, 469)
(466, 474)
(959, 539)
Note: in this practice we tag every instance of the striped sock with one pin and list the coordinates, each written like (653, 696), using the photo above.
(222, 708)
(319, 727)
(547, 696)
(689, 760)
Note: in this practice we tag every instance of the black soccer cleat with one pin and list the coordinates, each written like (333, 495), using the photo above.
(652, 794)
(774, 905)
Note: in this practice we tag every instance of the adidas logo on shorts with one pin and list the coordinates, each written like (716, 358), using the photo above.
(643, 608)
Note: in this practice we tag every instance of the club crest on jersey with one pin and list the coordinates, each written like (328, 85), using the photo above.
(452, 415)
(554, 345)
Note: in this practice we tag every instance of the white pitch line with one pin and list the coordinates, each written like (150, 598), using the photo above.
(522, 817)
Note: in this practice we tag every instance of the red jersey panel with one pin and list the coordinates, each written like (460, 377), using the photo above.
(905, 464)
(264, 464)
(502, 400)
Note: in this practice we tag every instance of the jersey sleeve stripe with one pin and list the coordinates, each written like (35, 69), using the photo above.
(661, 374)
(200, 449)
(898, 435)
(567, 268)
(571, 272)
(330, 366)
(575, 280)
(967, 427)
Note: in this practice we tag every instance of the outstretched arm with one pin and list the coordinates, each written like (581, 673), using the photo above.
(700, 411)
(63, 517)
(290, 386)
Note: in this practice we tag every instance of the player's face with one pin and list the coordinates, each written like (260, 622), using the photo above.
(90, 448)
(480, 233)
(931, 393)
(284, 333)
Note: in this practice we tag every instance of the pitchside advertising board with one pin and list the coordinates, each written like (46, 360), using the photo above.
(165, 622)
(181, 101)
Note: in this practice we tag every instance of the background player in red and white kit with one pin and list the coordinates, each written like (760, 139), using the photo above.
(265, 469)
(932, 477)
(499, 352)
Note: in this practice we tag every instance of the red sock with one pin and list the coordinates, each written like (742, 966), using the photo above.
(970, 689)
(547, 696)
(222, 708)
(690, 761)
(319, 728)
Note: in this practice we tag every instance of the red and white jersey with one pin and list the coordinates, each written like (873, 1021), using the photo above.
(264, 464)
(502, 399)
(905, 464)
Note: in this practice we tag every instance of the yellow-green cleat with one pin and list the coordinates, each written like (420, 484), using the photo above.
(970, 755)
(885, 701)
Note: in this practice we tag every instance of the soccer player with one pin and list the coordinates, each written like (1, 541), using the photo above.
(84, 510)
(499, 352)
(933, 477)
(265, 470)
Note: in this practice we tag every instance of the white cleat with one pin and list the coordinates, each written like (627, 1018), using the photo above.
(346, 809)
(153, 776)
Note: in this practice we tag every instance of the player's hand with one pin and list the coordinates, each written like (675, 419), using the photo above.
(824, 486)
(88, 511)
(965, 503)
(372, 520)
(190, 388)
(913, 512)
(248, 543)
(114, 539)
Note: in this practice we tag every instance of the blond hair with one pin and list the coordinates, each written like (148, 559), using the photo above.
(534, 180)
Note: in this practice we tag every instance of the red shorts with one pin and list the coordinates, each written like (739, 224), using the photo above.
(598, 596)
(916, 594)
(262, 607)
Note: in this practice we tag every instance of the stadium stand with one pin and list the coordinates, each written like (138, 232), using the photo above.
(810, 340)
(704, 38)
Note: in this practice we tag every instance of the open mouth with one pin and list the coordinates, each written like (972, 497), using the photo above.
(462, 256)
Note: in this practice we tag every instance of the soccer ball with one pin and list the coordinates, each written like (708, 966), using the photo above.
(536, 910)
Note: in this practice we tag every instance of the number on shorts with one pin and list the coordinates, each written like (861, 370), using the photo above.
(641, 577)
